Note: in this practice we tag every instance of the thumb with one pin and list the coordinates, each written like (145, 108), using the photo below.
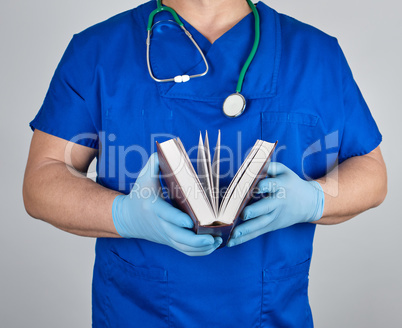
(276, 168)
(149, 174)
(269, 185)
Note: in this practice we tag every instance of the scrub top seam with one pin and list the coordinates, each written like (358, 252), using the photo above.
(262, 297)
(278, 54)
(373, 145)
(94, 144)
(107, 298)
(142, 14)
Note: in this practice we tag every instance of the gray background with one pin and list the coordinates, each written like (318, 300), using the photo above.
(45, 274)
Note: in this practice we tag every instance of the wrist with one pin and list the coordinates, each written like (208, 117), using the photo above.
(119, 216)
(319, 201)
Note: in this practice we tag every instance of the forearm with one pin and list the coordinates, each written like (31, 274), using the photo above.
(70, 202)
(356, 185)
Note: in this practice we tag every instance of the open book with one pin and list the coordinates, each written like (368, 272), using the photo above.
(199, 195)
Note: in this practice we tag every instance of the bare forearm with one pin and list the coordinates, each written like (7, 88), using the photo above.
(358, 184)
(68, 201)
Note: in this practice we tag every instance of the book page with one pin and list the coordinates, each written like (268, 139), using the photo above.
(238, 175)
(204, 172)
(259, 163)
(188, 181)
(208, 160)
(189, 166)
(215, 171)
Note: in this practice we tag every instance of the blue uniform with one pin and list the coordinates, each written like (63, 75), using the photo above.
(299, 90)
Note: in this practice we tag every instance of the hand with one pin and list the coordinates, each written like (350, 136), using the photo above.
(146, 215)
(291, 200)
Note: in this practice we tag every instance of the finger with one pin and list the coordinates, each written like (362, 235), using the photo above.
(171, 214)
(269, 185)
(272, 224)
(252, 229)
(276, 225)
(243, 239)
(150, 172)
(188, 237)
(203, 253)
(276, 168)
(253, 225)
(197, 251)
(262, 207)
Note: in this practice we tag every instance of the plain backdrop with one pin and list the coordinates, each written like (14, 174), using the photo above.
(45, 274)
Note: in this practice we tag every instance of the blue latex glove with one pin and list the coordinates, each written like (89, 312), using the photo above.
(146, 215)
(291, 200)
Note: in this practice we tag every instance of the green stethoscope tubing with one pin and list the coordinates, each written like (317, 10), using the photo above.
(235, 103)
(158, 10)
(253, 49)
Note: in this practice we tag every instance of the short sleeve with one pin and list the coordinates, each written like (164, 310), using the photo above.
(361, 134)
(65, 112)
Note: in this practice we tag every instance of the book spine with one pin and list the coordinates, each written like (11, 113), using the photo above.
(224, 231)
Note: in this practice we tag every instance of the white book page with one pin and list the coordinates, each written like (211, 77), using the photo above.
(185, 174)
(204, 173)
(208, 161)
(216, 171)
(189, 166)
(238, 175)
(244, 183)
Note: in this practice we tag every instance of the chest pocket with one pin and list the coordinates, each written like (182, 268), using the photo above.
(296, 133)
(130, 138)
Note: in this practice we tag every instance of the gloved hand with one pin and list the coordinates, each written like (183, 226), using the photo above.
(291, 200)
(146, 215)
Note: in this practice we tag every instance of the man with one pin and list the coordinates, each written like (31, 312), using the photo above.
(103, 103)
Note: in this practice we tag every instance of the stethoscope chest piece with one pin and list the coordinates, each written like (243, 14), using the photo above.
(234, 105)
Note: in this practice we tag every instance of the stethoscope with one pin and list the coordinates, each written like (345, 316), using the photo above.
(235, 104)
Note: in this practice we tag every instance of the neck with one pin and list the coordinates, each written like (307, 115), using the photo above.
(212, 18)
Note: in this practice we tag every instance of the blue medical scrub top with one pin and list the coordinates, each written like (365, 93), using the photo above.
(299, 90)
